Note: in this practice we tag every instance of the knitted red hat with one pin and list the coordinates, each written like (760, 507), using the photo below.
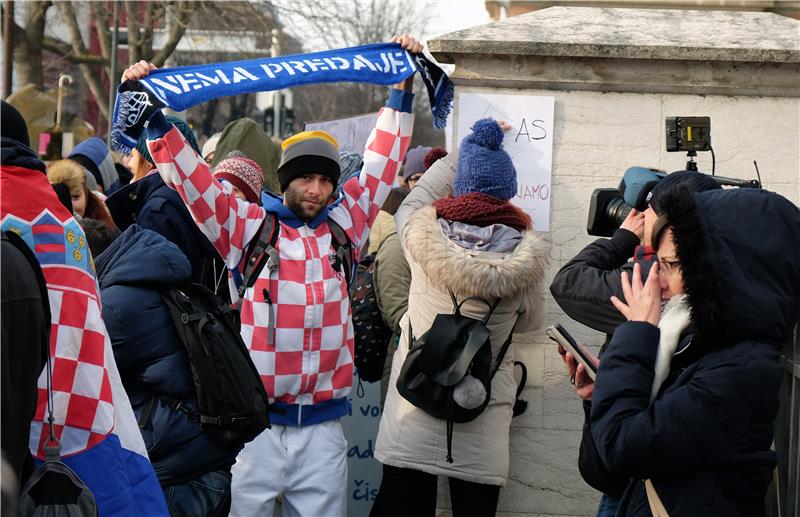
(241, 172)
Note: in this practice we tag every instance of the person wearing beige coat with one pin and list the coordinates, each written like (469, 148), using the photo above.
(468, 258)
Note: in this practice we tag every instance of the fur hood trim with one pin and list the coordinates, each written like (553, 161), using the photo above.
(469, 272)
(700, 278)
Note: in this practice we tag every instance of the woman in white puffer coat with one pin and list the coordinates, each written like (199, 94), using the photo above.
(475, 243)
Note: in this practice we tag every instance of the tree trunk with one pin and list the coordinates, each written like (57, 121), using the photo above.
(91, 73)
(28, 45)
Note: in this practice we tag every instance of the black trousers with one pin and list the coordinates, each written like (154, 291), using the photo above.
(406, 492)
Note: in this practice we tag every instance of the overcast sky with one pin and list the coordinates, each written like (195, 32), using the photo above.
(452, 15)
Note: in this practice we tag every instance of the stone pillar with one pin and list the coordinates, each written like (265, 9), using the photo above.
(615, 75)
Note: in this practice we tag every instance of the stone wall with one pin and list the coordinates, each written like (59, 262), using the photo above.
(597, 136)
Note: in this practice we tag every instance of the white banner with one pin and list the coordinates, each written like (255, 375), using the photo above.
(529, 142)
(351, 132)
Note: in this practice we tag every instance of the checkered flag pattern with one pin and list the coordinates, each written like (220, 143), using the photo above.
(301, 338)
(83, 405)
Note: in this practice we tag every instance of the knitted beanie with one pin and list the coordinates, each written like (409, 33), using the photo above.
(241, 172)
(309, 152)
(692, 180)
(12, 125)
(248, 136)
(415, 161)
(93, 155)
(483, 165)
(182, 126)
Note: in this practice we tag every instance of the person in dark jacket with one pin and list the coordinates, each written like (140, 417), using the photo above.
(149, 203)
(194, 472)
(583, 289)
(690, 419)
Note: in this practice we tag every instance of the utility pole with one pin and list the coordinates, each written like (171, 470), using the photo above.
(277, 96)
(112, 76)
(8, 46)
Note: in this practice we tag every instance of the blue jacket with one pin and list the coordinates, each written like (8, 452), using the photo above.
(705, 439)
(152, 205)
(150, 356)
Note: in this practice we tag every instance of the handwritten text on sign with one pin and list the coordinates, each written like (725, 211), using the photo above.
(529, 142)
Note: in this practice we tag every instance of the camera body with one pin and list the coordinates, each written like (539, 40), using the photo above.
(610, 206)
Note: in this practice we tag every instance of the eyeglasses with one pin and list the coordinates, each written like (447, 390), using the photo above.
(669, 266)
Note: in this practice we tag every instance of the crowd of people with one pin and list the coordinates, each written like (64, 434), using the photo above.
(679, 420)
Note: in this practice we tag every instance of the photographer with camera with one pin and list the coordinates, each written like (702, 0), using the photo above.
(583, 289)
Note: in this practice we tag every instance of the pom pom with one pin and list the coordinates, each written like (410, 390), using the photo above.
(487, 133)
(470, 393)
(433, 155)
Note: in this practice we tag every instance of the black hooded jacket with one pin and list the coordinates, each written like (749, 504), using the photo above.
(705, 439)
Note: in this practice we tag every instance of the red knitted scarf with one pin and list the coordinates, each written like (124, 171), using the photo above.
(482, 210)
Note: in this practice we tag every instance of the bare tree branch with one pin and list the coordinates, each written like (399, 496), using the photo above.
(132, 24)
(146, 42)
(102, 21)
(90, 75)
(183, 15)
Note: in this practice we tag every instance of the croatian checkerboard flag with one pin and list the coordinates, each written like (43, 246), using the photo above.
(94, 422)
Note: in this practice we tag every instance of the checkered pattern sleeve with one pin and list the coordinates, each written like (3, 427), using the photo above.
(386, 147)
(228, 222)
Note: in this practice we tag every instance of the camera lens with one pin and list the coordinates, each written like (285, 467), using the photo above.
(618, 210)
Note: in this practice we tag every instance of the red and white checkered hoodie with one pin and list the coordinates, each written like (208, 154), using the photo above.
(301, 343)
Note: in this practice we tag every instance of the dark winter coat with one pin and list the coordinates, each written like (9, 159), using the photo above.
(152, 205)
(583, 288)
(149, 354)
(705, 439)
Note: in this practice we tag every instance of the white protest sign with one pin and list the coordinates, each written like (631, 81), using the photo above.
(360, 428)
(351, 132)
(529, 142)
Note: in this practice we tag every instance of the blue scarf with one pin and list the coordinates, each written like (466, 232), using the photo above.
(183, 87)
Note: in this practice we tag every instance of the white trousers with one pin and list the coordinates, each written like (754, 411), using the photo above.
(307, 466)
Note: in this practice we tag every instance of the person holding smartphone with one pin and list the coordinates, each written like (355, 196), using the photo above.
(583, 289)
(689, 417)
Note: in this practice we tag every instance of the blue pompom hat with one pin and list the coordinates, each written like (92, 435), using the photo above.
(483, 165)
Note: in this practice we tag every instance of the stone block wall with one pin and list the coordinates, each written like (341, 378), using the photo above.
(597, 136)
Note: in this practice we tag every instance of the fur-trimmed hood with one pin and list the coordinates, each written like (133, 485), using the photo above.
(469, 272)
(740, 256)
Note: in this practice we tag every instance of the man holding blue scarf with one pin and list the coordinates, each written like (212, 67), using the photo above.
(296, 318)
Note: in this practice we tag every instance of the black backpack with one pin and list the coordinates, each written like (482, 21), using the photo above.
(232, 403)
(448, 370)
(371, 332)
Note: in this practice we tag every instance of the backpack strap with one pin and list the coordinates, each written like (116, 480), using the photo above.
(457, 305)
(261, 253)
(344, 249)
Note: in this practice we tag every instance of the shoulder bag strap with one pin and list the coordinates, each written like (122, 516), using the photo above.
(344, 249)
(263, 253)
(657, 507)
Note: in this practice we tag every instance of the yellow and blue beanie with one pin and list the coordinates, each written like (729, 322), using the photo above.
(309, 152)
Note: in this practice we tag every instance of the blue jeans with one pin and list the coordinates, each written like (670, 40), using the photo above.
(608, 506)
(206, 496)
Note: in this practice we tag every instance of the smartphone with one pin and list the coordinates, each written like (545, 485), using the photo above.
(558, 334)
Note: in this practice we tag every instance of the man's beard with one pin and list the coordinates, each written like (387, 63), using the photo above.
(304, 213)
